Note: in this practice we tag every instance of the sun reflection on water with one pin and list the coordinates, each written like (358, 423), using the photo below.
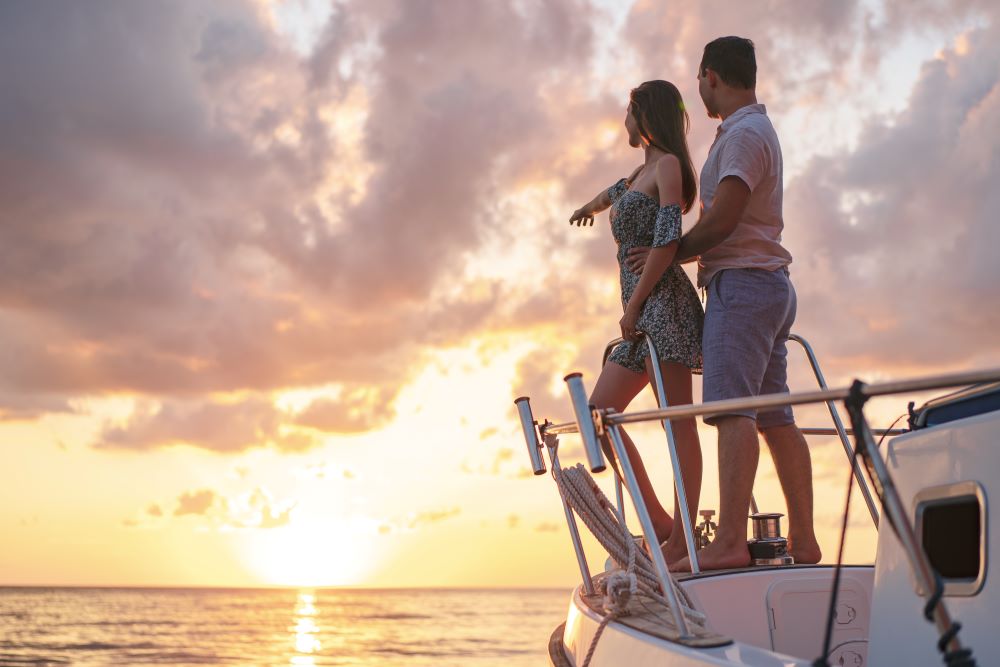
(305, 630)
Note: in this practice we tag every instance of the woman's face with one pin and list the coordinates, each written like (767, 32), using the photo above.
(632, 127)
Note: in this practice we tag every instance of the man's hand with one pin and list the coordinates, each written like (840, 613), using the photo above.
(582, 217)
(635, 259)
(717, 221)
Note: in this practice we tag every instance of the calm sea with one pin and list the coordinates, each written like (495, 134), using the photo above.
(122, 626)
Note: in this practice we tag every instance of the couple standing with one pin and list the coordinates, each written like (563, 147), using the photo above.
(750, 300)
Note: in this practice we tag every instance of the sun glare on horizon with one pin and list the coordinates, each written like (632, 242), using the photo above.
(310, 556)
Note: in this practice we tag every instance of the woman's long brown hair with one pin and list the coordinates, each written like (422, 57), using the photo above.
(663, 121)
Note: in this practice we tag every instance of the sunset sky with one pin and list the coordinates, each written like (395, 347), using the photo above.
(272, 272)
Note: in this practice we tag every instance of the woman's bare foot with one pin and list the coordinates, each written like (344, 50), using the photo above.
(718, 556)
(805, 552)
(674, 550)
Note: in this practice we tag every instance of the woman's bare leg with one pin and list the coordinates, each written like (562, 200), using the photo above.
(677, 383)
(616, 387)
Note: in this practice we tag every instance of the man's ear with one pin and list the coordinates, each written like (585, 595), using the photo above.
(713, 78)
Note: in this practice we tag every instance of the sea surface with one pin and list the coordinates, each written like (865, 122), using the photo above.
(133, 626)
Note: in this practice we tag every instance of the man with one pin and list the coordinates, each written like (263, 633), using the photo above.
(750, 306)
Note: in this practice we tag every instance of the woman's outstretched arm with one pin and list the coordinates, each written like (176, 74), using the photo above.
(585, 214)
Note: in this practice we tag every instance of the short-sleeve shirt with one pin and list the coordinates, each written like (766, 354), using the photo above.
(747, 147)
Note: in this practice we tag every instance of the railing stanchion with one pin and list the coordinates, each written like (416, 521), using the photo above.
(839, 425)
(619, 496)
(649, 532)
(675, 463)
(552, 444)
(899, 518)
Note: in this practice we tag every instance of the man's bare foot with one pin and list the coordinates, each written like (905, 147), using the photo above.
(805, 552)
(718, 556)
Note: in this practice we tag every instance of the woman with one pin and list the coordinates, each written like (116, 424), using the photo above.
(646, 210)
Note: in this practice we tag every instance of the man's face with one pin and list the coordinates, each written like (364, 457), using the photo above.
(707, 92)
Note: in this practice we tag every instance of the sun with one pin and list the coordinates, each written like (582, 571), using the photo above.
(310, 555)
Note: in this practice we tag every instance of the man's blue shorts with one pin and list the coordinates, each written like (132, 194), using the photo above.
(747, 319)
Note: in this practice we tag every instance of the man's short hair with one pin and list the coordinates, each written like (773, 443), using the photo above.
(733, 59)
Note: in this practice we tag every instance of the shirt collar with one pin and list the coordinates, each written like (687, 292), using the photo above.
(740, 114)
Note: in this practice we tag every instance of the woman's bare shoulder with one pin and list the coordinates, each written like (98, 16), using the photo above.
(668, 168)
(668, 161)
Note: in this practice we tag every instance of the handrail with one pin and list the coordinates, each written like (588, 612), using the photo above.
(810, 430)
(800, 398)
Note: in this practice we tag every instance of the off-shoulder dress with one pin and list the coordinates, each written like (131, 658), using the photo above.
(672, 315)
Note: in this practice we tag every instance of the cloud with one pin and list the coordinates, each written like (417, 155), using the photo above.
(361, 409)
(228, 426)
(154, 510)
(513, 521)
(28, 407)
(203, 210)
(903, 268)
(195, 502)
(503, 455)
(219, 426)
(195, 209)
(255, 509)
(548, 527)
(433, 516)
(271, 518)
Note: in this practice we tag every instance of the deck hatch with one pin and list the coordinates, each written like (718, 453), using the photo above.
(951, 526)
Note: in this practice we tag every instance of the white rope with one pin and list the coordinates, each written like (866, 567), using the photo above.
(603, 519)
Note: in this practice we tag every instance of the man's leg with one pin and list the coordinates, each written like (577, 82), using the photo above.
(746, 310)
(739, 451)
(792, 461)
(789, 449)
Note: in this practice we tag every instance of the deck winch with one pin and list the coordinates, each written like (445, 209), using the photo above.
(768, 547)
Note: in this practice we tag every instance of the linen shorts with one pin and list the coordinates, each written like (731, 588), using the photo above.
(747, 320)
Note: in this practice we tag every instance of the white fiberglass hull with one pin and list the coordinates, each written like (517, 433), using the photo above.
(768, 613)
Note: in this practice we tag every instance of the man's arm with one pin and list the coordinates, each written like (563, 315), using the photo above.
(719, 221)
(714, 226)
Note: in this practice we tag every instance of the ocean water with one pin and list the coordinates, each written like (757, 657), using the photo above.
(132, 626)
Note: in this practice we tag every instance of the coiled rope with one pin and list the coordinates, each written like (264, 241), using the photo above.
(600, 515)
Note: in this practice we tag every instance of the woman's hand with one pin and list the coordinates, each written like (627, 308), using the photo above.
(628, 323)
(582, 217)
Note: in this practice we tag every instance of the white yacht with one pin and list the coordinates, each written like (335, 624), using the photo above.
(927, 600)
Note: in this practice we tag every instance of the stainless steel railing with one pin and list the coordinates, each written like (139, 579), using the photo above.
(839, 428)
(592, 423)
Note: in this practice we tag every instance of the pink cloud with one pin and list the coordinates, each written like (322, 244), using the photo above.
(195, 502)
(159, 238)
